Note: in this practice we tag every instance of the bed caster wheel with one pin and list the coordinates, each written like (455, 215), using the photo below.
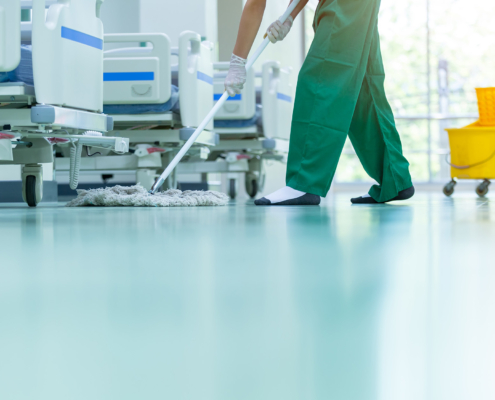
(482, 188)
(252, 185)
(448, 189)
(232, 189)
(255, 178)
(32, 184)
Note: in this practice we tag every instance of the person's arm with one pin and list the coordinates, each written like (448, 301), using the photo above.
(251, 18)
(251, 22)
(298, 8)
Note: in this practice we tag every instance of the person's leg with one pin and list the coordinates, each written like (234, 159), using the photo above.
(327, 91)
(375, 138)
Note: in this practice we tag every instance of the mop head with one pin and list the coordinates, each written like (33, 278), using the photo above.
(138, 196)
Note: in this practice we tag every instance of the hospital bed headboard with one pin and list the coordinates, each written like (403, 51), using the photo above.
(10, 34)
(277, 99)
(195, 79)
(68, 54)
(139, 75)
(241, 106)
(27, 26)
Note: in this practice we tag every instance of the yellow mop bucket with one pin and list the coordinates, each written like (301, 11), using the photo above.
(472, 152)
(472, 155)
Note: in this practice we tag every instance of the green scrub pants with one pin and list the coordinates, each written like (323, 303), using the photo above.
(341, 92)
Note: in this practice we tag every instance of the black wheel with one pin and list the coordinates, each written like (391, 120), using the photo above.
(482, 188)
(232, 189)
(448, 189)
(105, 178)
(31, 191)
(252, 185)
(254, 188)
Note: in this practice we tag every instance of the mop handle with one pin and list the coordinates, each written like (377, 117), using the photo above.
(215, 109)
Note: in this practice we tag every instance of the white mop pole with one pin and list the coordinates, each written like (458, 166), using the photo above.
(215, 109)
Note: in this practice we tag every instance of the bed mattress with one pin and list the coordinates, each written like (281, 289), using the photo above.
(24, 72)
(136, 109)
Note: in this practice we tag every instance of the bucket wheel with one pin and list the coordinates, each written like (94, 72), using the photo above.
(448, 189)
(482, 188)
(32, 184)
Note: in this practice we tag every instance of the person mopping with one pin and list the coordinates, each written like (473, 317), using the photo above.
(340, 93)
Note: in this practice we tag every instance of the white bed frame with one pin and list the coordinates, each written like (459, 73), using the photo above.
(137, 75)
(143, 75)
(67, 99)
(195, 76)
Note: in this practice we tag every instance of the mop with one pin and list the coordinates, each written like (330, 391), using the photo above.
(137, 196)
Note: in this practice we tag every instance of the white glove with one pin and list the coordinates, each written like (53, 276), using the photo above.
(236, 78)
(277, 31)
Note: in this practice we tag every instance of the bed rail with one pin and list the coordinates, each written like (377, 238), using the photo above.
(138, 75)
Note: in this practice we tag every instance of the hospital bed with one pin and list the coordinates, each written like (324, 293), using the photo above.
(51, 90)
(156, 102)
(254, 127)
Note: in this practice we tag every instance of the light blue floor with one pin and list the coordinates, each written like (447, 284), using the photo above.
(389, 302)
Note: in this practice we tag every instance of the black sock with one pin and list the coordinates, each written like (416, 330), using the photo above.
(403, 195)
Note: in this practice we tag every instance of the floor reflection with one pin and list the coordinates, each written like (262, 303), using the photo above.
(333, 302)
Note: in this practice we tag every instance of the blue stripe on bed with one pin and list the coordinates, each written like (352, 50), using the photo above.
(217, 97)
(128, 76)
(284, 97)
(82, 38)
(205, 78)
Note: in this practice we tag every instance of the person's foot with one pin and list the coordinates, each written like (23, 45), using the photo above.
(367, 199)
(289, 197)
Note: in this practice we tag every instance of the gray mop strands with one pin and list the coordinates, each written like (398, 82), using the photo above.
(138, 196)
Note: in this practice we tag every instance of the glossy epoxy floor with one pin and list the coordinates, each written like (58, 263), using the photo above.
(386, 302)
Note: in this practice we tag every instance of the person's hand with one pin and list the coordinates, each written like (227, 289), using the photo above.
(236, 77)
(277, 31)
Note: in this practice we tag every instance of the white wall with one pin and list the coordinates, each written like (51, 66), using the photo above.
(229, 18)
(167, 16)
(119, 19)
(174, 17)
